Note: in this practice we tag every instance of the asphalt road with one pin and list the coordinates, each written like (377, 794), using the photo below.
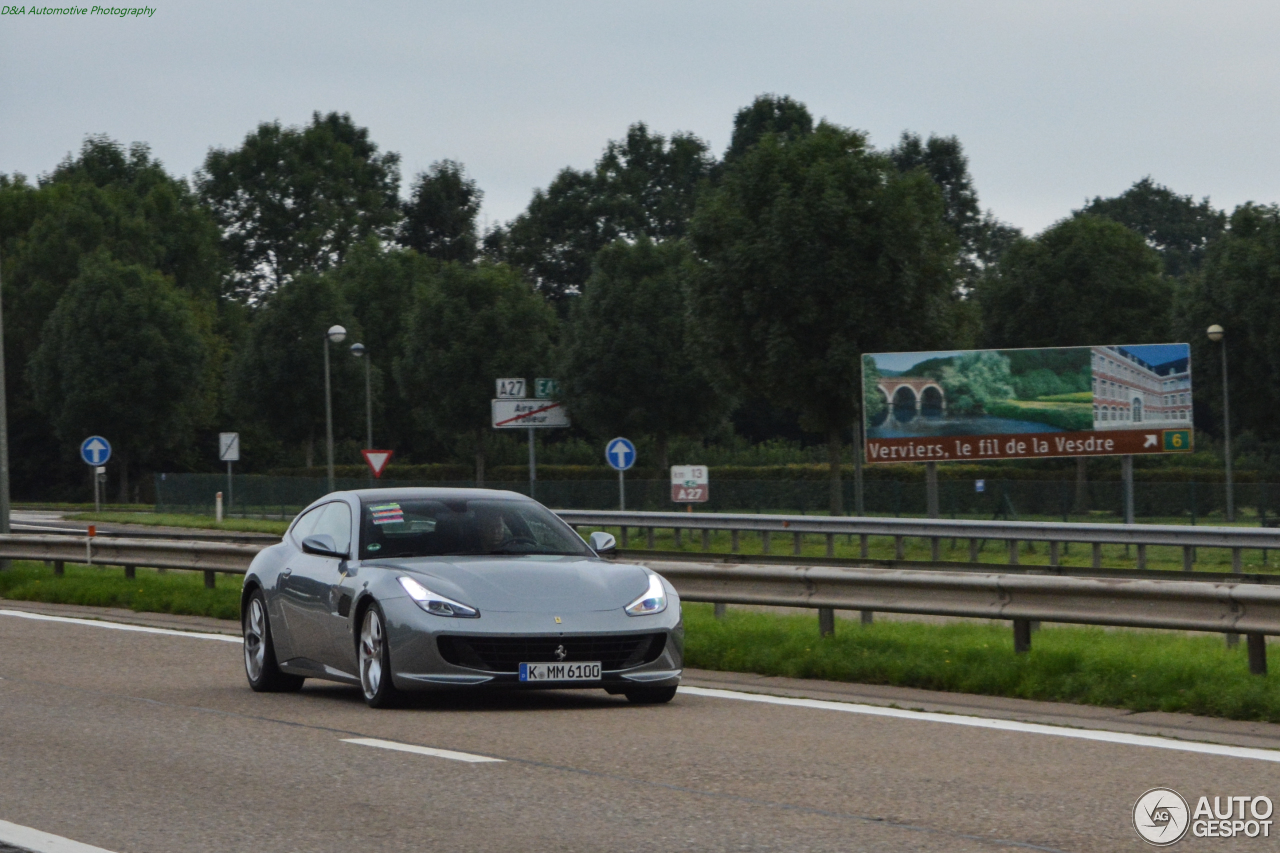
(133, 741)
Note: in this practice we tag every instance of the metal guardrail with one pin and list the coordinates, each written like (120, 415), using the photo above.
(1188, 538)
(1249, 608)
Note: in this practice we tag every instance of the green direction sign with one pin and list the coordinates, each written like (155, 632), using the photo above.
(546, 389)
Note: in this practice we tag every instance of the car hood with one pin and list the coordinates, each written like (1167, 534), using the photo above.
(527, 583)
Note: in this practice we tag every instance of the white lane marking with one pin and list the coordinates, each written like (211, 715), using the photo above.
(420, 750)
(116, 626)
(42, 842)
(988, 723)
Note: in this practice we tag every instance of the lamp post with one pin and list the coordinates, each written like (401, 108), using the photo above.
(336, 334)
(359, 352)
(1217, 334)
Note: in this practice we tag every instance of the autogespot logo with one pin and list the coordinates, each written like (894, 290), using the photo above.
(1161, 817)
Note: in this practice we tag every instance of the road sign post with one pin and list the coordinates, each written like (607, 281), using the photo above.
(95, 451)
(512, 410)
(621, 455)
(229, 452)
(690, 484)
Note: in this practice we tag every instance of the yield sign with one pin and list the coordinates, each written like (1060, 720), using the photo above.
(377, 460)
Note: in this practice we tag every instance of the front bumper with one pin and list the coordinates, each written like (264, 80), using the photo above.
(417, 663)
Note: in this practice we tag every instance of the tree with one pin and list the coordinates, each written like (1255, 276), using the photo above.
(627, 365)
(981, 238)
(121, 355)
(109, 198)
(644, 185)
(975, 380)
(768, 115)
(440, 215)
(1084, 281)
(295, 200)
(469, 326)
(1174, 225)
(813, 251)
(279, 375)
(1238, 287)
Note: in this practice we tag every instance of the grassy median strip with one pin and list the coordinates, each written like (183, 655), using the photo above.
(240, 525)
(1136, 670)
(106, 586)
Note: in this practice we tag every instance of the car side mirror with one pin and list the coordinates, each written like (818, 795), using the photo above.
(603, 543)
(322, 545)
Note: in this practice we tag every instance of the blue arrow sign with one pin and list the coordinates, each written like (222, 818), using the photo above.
(95, 450)
(620, 453)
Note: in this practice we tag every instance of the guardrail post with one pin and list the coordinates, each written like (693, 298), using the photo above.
(868, 616)
(973, 550)
(1257, 653)
(933, 550)
(130, 572)
(897, 548)
(1053, 553)
(1013, 552)
(624, 536)
(733, 541)
(1021, 636)
(648, 537)
(862, 546)
(675, 532)
(720, 608)
(210, 579)
(59, 568)
(1097, 555)
(1233, 640)
(831, 544)
(706, 539)
(799, 544)
(764, 541)
(826, 621)
(1142, 556)
(1235, 559)
(1187, 558)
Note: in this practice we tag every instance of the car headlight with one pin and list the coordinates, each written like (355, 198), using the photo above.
(436, 605)
(654, 599)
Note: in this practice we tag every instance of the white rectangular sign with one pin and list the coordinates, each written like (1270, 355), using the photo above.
(521, 414)
(689, 475)
(229, 446)
(511, 389)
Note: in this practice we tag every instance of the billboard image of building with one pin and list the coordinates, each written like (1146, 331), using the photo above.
(1027, 403)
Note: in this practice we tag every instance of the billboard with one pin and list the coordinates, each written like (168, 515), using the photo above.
(975, 405)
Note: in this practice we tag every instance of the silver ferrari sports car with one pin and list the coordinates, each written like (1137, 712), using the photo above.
(426, 589)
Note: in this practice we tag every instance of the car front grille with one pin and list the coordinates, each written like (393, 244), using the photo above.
(505, 654)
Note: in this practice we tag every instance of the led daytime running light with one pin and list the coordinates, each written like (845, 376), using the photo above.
(654, 599)
(436, 605)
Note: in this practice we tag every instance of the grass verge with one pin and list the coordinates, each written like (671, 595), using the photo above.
(1136, 670)
(242, 525)
(149, 592)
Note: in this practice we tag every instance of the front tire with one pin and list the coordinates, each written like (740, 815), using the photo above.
(375, 661)
(260, 665)
(650, 695)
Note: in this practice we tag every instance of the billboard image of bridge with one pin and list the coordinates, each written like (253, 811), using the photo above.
(1027, 403)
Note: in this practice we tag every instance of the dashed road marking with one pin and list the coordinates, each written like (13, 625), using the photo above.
(116, 626)
(421, 750)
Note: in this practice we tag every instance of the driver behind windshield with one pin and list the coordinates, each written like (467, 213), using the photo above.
(438, 527)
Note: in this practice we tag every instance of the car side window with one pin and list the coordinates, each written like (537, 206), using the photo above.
(305, 525)
(336, 522)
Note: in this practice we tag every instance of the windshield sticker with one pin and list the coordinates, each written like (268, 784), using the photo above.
(373, 546)
(387, 514)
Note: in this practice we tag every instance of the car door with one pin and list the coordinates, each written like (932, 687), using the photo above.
(280, 599)
(305, 588)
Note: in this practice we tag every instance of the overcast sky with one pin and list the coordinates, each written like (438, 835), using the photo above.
(1054, 102)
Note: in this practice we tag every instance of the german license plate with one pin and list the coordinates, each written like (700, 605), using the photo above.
(560, 671)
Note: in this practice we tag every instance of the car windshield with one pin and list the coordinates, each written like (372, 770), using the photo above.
(437, 527)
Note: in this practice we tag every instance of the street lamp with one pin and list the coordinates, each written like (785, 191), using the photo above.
(337, 335)
(1217, 334)
(358, 351)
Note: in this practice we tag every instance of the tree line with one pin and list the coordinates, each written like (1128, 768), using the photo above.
(674, 292)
